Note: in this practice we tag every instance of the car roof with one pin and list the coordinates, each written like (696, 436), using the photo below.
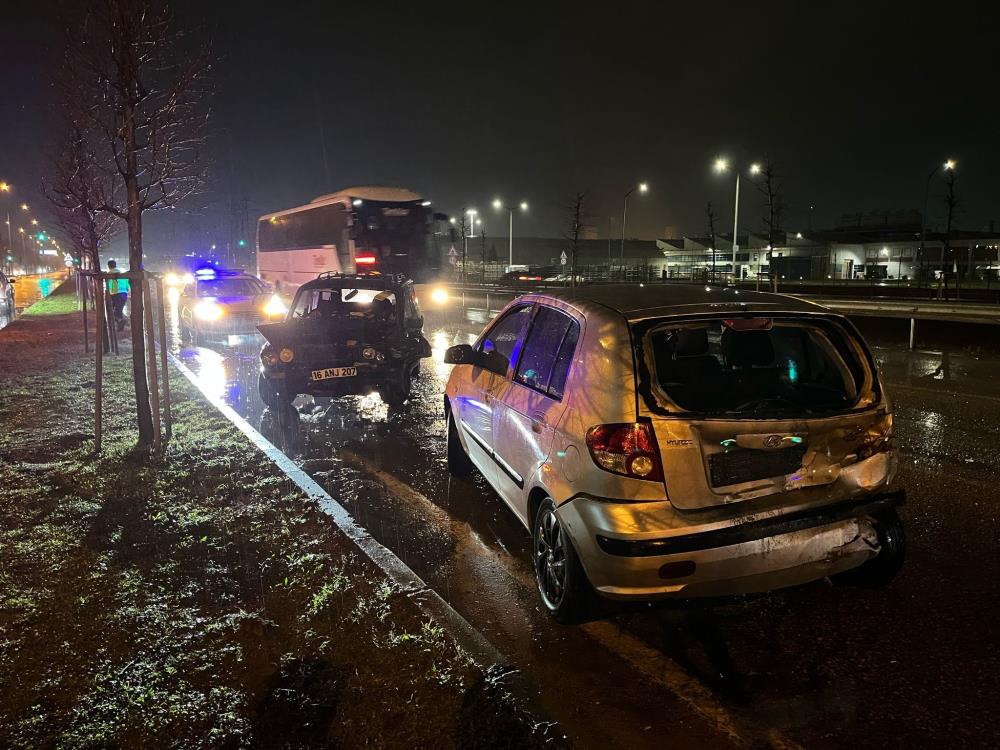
(636, 302)
(341, 281)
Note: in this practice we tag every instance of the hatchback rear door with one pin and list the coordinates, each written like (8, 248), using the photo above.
(753, 406)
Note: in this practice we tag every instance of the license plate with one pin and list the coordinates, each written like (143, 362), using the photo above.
(334, 372)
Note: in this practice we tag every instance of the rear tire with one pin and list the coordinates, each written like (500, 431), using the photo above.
(562, 583)
(884, 567)
(459, 463)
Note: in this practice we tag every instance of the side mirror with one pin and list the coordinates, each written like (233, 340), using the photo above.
(460, 354)
(463, 354)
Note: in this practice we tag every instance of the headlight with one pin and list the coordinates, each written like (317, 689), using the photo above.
(275, 307)
(172, 279)
(439, 296)
(368, 353)
(188, 278)
(286, 355)
(268, 356)
(206, 310)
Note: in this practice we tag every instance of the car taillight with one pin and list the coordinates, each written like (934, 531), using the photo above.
(626, 449)
(365, 260)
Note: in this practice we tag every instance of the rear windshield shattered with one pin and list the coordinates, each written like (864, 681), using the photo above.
(759, 367)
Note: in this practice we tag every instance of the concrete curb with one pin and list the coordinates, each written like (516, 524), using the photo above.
(426, 599)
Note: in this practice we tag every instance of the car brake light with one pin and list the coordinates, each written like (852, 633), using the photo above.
(365, 260)
(626, 449)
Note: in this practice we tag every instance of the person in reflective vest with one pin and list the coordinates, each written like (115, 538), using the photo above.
(118, 290)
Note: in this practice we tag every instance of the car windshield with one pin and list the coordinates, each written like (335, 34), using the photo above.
(759, 367)
(329, 303)
(229, 287)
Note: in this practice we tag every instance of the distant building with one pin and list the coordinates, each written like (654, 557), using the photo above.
(879, 245)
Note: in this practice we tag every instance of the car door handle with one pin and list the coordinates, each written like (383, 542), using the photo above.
(538, 421)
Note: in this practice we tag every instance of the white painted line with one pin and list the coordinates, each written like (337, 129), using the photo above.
(427, 600)
(645, 659)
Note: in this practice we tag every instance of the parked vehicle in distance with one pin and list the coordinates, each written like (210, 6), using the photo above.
(680, 441)
(7, 296)
(345, 334)
(222, 303)
(532, 275)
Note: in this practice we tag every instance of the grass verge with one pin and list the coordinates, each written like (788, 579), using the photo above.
(201, 600)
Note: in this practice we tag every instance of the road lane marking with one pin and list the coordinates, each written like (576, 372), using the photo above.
(653, 664)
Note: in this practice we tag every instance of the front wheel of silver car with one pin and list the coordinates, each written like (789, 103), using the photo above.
(562, 583)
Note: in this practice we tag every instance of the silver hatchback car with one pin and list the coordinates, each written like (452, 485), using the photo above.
(680, 441)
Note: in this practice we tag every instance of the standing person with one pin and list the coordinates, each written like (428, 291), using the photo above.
(118, 289)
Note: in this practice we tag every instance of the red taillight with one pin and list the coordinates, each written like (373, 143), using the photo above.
(626, 449)
(365, 260)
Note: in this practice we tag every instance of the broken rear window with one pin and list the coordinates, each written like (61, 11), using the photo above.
(759, 367)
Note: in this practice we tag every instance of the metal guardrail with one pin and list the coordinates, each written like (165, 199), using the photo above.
(914, 311)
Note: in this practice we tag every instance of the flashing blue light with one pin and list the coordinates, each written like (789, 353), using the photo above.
(205, 273)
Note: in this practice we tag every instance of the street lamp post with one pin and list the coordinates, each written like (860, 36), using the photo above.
(498, 204)
(722, 165)
(642, 187)
(948, 166)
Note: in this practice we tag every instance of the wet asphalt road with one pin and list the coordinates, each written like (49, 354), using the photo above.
(914, 665)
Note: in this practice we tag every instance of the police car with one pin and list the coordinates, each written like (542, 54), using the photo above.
(219, 303)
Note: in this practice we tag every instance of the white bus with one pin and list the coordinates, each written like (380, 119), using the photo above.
(376, 228)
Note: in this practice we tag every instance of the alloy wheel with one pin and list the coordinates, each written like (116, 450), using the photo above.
(550, 559)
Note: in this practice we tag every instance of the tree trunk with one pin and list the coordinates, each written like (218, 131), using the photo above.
(142, 408)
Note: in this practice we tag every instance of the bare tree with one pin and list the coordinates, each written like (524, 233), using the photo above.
(142, 88)
(712, 216)
(72, 187)
(772, 188)
(482, 253)
(574, 230)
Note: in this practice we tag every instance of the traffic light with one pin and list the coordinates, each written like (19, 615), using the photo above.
(241, 243)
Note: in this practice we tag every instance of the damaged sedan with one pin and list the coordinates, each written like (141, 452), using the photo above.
(345, 334)
(680, 441)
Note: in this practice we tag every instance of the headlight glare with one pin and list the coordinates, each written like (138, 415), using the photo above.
(208, 311)
(275, 307)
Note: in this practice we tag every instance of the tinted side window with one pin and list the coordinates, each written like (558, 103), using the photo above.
(507, 335)
(560, 370)
(542, 349)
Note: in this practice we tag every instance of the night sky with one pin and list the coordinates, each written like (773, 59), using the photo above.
(854, 105)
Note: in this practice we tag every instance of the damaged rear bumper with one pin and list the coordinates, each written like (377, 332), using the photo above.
(626, 560)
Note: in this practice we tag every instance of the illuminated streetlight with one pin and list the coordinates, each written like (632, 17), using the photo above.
(34, 222)
(948, 166)
(498, 204)
(643, 187)
(4, 187)
(24, 206)
(722, 165)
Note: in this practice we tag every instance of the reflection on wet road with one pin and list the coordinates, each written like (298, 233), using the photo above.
(28, 290)
(818, 665)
